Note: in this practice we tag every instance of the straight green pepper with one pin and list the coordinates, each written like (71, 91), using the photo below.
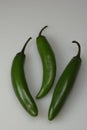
(20, 84)
(64, 85)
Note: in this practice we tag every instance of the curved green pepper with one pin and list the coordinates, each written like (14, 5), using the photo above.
(64, 85)
(20, 84)
(49, 64)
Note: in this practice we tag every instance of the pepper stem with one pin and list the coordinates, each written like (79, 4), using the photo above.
(79, 48)
(23, 49)
(42, 30)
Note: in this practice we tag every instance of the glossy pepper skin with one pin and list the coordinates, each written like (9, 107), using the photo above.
(20, 84)
(48, 62)
(64, 85)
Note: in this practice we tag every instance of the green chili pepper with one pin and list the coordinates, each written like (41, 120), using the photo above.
(20, 84)
(64, 84)
(49, 64)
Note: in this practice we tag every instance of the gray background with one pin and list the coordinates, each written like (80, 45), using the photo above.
(67, 21)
